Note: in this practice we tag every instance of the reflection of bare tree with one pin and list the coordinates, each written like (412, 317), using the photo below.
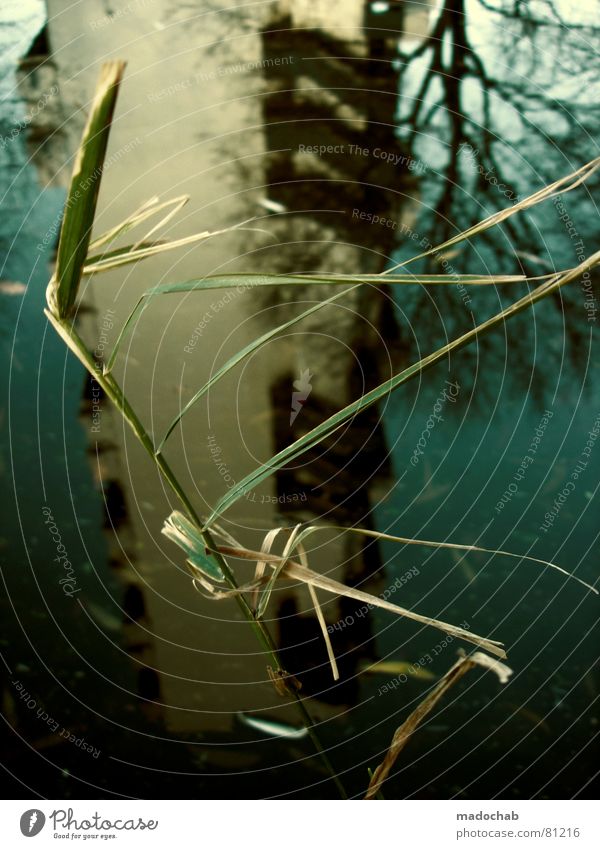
(463, 89)
(496, 95)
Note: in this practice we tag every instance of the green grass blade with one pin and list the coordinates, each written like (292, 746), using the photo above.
(565, 184)
(80, 204)
(249, 281)
(333, 423)
(241, 355)
(229, 281)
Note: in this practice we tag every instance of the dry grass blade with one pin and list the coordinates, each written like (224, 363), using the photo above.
(277, 568)
(449, 545)
(300, 573)
(177, 204)
(325, 632)
(562, 186)
(320, 618)
(404, 732)
(261, 565)
(297, 572)
(80, 205)
(95, 265)
(147, 210)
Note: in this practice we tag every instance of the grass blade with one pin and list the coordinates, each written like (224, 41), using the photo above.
(325, 632)
(451, 545)
(336, 421)
(405, 731)
(146, 210)
(80, 204)
(320, 617)
(562, 186)
(261, 565)
(143, 250)
(92, 261)
(297, 572)
(298, 535)
(277, 569)
(249, 281)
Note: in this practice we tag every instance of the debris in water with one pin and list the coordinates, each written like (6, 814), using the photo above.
(272, 205)
(272, 728)
(103, 618)
(399, 667)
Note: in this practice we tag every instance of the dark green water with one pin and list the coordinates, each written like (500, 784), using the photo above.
(536, 735)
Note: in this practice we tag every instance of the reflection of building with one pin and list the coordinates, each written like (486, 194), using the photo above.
(338, 174)
(383, 23)
(335, 167)
(123, 616)
(329, 119)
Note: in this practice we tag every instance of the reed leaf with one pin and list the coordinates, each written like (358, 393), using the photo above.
(450, 545)
(337, 420)
(561, 186)
(80, 205)
(407, 729)
(250, 281)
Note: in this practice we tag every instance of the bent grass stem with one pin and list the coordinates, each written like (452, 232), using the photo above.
(67, 332)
